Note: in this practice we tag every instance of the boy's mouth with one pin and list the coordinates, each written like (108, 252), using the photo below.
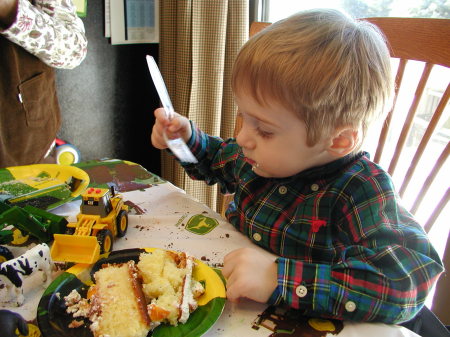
(253, 163)
(250, 161)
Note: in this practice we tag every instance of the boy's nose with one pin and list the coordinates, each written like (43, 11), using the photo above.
(244, 139)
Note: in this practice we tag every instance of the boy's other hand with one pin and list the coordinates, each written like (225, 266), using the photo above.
(179, 126)
(249, 273)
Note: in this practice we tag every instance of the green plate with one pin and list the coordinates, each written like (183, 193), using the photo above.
(124, 175)
(43, 186)
(53, 320)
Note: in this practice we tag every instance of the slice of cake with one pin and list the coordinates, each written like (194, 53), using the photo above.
(118, 306)
(129, 300)
(168, 286)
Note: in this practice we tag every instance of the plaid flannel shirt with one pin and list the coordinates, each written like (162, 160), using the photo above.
(348, 248)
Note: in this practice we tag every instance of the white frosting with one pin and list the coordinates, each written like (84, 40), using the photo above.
(187, 298)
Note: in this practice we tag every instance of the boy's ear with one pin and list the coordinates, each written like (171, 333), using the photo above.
(344, 142)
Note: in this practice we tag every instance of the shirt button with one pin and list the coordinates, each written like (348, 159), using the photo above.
(257, 237)
(301, 291)
(282, 189)
(314, 187)
(350, 306)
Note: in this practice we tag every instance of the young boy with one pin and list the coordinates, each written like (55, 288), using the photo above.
(307, 89)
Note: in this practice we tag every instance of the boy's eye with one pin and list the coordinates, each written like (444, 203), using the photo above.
(263, 134)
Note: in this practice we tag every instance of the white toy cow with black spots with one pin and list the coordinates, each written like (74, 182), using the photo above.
(13, 272)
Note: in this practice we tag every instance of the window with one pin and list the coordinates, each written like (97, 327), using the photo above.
(273, 10)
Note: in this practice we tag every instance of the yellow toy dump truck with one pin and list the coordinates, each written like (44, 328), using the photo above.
(103, 216)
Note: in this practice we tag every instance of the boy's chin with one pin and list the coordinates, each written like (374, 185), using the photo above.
(260, 172)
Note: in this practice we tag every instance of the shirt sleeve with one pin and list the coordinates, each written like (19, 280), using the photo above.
(50, 30)
(216, 160)
(385, 269)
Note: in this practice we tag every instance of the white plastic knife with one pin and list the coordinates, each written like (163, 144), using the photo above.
(177, 145)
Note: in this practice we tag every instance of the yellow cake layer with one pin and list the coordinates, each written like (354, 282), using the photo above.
(119, 310)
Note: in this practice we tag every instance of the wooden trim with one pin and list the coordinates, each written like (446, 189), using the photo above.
(437, 211)
(256, 27)
(410, 117)
(440, 305)
(387, 122)
(426, 185)
(425, 139)
(434, 33)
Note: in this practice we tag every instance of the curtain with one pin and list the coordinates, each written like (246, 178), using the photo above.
(199, 40)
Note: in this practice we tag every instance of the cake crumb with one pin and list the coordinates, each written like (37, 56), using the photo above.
(75, 324)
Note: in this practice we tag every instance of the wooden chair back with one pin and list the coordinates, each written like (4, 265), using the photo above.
(422, 139)
(420, 135)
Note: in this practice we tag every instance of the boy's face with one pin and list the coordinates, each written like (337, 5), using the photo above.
(273, 139)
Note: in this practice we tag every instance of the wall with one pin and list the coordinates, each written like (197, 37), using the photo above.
(107, 102)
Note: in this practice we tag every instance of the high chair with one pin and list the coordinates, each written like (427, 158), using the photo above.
(413, 144)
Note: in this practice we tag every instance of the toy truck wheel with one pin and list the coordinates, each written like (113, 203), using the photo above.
(122, 223)
(5, 254)
(70, 230)
(105, 240)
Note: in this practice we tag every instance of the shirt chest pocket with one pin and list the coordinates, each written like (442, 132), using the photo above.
(310, 234)
(38, 98)
(309, 243)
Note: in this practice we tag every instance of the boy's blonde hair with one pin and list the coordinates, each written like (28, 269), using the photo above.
(330, 69)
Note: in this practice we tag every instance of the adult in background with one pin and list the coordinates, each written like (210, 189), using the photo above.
(35, 37)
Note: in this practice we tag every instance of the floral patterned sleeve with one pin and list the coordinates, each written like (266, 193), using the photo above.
(51, 30)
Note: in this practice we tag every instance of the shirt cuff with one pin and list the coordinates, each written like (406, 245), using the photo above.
(194, 135)
(197, 142)
(302, 285)
(275, 298)
(194, 144)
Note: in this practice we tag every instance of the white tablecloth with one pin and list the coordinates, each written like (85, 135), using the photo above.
(166, 211)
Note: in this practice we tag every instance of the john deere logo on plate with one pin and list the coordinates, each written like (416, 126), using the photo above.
(200, 224)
